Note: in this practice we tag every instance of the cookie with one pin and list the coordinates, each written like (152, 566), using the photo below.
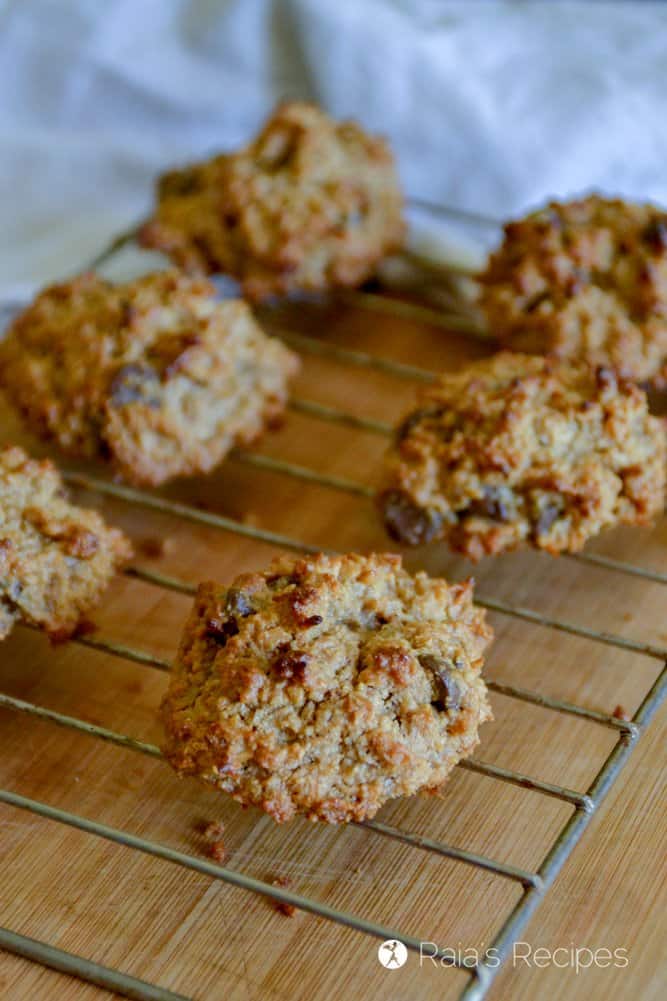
(155, 375)
(310, 204)
(55, 559)
(584, 280)
(523, 450)
(327, 686)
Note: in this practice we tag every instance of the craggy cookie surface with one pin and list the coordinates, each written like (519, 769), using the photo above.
(55, 559)
(310, 204)
(585, 280)
(520, 449)
(326, 686)
(155, 375)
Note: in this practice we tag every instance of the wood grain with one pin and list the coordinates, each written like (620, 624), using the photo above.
(210, 941)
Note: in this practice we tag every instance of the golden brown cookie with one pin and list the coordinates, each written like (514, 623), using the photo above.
(326, 686)
(518, 449)
(309, 204)
(55, 559)
(156, 375)
(585, 280)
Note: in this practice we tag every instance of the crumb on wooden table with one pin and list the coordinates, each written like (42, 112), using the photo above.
(289, 910)
(83, 628)
(152, 547)
(217, 850)
(211, 832)
(620, 712)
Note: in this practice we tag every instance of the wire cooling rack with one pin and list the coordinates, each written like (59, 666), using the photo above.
(534, 883)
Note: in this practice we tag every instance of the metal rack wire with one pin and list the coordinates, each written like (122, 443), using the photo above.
(584, 803)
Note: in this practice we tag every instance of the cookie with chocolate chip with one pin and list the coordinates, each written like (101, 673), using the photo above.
(585, 280)
(522, 450)
(310, 204)
(155, 375)
(56, 559)
(326, 686)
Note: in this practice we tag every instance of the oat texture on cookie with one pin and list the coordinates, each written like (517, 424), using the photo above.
(56, 559)
(326, 686)
(310, 204)
(156, 376)
(523, 450)
(585, 280)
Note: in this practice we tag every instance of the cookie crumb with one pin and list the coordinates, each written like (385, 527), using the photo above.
(620, 712)
(285, 883)
(217, 851)
(83, 628)
(212, 830)
(152, 547)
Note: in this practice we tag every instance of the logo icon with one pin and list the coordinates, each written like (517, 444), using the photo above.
(392, 954)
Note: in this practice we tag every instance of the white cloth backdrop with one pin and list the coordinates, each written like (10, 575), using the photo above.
(489, 106)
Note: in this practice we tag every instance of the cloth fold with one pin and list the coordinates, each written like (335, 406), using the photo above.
(492, 107)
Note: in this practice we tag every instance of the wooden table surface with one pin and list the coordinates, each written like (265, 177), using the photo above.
(207, 940)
